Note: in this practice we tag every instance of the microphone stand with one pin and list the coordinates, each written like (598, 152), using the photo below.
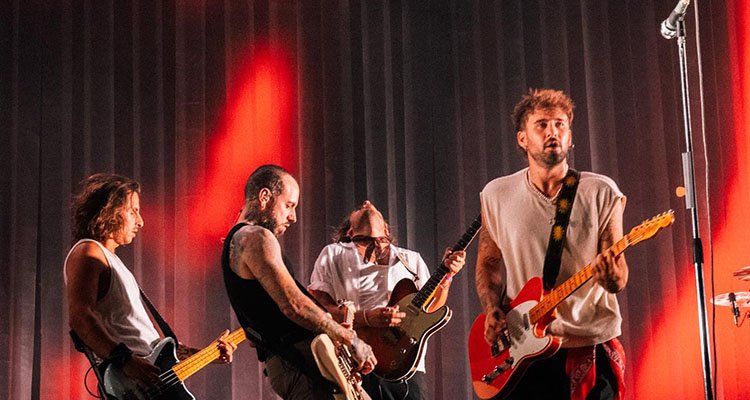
(688, 168)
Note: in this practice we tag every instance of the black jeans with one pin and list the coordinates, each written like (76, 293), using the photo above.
(295, 376)
(546, 379)
(380, 389)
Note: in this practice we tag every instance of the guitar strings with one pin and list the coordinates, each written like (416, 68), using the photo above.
(170, 378)
(586, 274)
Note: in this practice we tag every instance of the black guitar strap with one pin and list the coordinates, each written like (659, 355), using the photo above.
(557, 236)
(163, 325)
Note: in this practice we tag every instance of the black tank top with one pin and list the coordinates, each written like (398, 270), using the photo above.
(264, 323)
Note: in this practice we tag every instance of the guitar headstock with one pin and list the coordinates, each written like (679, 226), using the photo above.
(648, 228)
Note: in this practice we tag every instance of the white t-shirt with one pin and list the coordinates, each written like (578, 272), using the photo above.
(341, 272)
(121, 309)
(518, 218)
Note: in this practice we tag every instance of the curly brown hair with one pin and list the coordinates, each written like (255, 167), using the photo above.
(96, 207)
(545, 99)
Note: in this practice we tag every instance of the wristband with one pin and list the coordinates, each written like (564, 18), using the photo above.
(120, 355)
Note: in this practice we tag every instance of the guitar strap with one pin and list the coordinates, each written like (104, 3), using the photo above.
(557, 235)
(163, 325)
(402, 257)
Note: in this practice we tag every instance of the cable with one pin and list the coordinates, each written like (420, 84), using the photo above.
(406, 395)
(86, 383)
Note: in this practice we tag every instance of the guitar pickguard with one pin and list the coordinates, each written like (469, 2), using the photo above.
(164, 356)
(399, 348)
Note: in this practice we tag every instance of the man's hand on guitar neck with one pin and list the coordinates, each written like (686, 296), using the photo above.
(610, 271)
(494, 325)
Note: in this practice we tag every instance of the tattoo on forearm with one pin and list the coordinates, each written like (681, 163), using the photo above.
(488, 281)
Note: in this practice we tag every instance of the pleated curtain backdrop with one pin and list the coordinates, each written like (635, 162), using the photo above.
(405, 103)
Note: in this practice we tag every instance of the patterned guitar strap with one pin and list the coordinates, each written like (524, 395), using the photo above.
(557, 235)
(579, 363)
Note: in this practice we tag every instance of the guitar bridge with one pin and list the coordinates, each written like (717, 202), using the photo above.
(499, 369)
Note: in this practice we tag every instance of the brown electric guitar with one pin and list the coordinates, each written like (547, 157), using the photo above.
(398, 349)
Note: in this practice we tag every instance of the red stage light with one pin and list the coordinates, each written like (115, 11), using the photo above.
(258, 127)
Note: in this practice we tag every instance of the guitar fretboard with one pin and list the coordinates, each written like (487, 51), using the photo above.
(641, 232)
(194, 363)
(560, 293)
(423, 297)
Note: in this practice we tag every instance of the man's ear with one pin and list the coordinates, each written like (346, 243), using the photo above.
(264, 196)
(521, 140)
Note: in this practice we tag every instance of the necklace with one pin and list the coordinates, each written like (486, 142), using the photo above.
(549, 202)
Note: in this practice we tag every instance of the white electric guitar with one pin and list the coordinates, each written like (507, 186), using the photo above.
(336, 363)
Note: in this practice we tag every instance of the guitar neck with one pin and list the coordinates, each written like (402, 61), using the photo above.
(425, 295)
(197, 361)
(560, 293)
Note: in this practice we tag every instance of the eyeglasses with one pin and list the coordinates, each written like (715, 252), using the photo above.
(363, 240)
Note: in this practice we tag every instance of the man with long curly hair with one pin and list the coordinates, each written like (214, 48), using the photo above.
(104, 304)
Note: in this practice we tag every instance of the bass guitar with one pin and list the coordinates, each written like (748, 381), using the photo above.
(398, 349)
(496, 369)
(174, 372)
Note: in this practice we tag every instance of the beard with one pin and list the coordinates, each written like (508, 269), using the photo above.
(263, 218)
(550, 159)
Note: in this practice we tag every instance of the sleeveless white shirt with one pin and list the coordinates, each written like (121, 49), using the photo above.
(519, 218)
(121, 310)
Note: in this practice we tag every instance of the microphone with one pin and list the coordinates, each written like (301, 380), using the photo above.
(669, 25)
(735, 309)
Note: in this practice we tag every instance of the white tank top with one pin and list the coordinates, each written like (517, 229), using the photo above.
(518, 218)
(121, 310)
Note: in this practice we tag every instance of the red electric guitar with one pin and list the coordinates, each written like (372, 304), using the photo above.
(496, 369)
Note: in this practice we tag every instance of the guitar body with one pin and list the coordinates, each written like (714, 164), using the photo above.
(398, 349)
(335, 367)
(121, 387)
(495, 370)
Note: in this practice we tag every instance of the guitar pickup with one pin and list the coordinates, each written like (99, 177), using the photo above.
(502, 343)
(499, 369)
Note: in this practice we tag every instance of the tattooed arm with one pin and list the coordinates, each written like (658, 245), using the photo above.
(256, 254)
(490, 286)
(609, 271)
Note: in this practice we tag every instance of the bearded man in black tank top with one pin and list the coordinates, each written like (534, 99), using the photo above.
(279, 316)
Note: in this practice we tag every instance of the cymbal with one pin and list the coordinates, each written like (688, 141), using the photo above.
(741, 298)
(743, 273)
